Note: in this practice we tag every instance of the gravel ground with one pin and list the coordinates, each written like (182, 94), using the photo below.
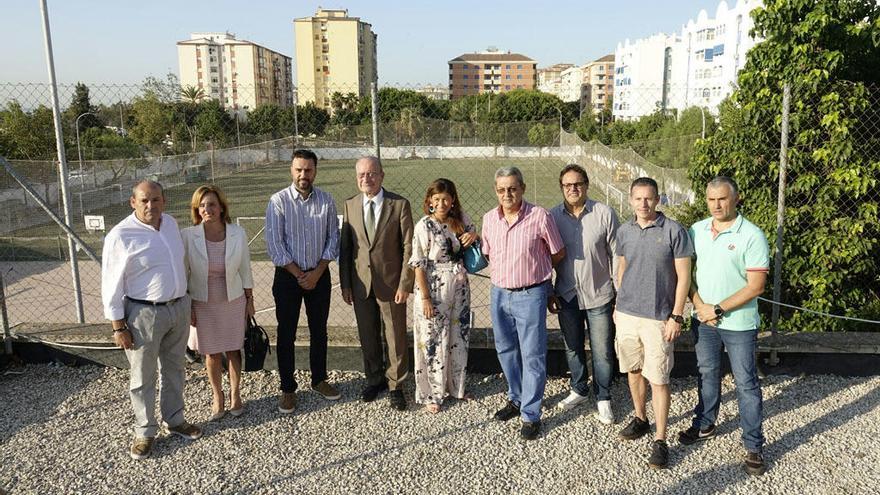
(67, 430)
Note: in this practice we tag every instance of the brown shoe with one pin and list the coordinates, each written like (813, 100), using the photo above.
(141, 448)
(186, 430)
(326, 390)
(287, 404)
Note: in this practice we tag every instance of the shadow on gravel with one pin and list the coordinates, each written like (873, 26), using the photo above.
(430, 439)
(730, 473)
(31, 395)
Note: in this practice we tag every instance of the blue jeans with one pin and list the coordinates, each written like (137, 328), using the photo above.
(519, 322)
(741, 346)
(601, 333)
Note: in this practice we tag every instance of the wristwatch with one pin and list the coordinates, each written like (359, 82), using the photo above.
(124, 328)
(677, 318)
(719, 311)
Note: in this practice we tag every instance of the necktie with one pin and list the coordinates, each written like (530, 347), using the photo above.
(371, 222)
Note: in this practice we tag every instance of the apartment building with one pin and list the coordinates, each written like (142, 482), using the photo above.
(491, 71)
(570, 81)
(597, 88)
(334, 53)
(715, 50)
(550, 78)
(239, 74)
(697, 67)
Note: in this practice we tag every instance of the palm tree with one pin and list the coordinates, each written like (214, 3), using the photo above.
(192, 94)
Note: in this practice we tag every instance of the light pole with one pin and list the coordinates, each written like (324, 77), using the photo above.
(295, 116)
(238, 138)
(703, 115)
(79, 151)
(560, 119)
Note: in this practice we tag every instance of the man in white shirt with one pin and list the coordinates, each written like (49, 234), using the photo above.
(143, 289)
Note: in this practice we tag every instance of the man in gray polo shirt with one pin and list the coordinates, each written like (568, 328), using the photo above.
(654, 265)
(584, 291)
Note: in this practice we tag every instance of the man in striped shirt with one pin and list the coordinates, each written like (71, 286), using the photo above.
(302, 238)
(523, 245)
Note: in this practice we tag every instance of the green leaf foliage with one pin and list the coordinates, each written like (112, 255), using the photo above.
(829, 52)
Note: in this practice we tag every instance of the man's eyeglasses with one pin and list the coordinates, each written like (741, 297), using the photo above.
(574, 185)
(368, 175)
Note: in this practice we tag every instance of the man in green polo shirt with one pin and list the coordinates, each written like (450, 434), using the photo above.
(732, 261)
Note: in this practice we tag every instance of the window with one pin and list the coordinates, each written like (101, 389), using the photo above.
(718, 50)
(519, 76)
(507, 67)
(707, 55)
(213, 69)
(519, 66)
(507, 86)
(465, 76)
(507, 76)
(464, 66)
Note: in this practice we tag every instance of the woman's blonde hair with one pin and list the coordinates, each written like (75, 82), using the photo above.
(197, 197)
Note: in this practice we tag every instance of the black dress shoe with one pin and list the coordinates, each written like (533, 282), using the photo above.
(509, 411)
(372, 391)
(529, 431)
(397, 400)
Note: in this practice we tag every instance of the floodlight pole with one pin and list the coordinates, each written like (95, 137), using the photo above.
(62, 162)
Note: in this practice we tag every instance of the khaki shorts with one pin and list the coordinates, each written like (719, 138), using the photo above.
(640, 346)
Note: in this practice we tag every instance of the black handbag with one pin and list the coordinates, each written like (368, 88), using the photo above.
(256, 345)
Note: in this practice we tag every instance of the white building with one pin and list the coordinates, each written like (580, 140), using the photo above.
(715, 50)
(238, 73)
(570, 83)
(643, 75)
(550, 79)
(695, 68)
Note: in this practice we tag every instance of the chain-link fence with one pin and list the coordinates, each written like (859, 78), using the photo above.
(115, 135)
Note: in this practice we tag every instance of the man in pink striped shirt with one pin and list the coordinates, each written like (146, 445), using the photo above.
(523, 245)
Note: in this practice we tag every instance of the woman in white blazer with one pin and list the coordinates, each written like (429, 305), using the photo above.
(218, 266)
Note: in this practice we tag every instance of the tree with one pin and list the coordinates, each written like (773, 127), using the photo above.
(153, 120)
(830, 54)
(167, 91)
(541, 135)
(81, 104)
(27, 135)
(264, 120)
(214, 124)
(409, 124)
(192, 94)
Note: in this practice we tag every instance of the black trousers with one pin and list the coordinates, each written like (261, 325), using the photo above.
(289, 298)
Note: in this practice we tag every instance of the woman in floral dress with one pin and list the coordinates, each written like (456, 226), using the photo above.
(442, 312)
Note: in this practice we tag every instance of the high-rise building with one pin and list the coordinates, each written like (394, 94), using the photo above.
(491, 71)
(238, 73)
(334, 53)
(715, 51)
(643, 75)
(695, 68)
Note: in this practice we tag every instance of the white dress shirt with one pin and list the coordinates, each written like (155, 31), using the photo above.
(141, 262)
(377, 206)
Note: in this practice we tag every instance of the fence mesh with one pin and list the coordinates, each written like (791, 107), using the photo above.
(118, 134)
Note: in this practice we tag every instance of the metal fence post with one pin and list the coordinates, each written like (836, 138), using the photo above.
(780, 218)
(4, 319)
(62, 162)
(374, 100)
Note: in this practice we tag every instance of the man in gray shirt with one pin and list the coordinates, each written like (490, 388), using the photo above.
(584, 291)
(654, 267)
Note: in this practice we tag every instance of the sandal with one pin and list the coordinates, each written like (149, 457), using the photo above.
(433, 408)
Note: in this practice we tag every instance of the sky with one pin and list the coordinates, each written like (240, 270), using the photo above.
(122, 42)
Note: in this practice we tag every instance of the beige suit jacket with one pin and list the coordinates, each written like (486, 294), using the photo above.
(383, 265)
(238, 262)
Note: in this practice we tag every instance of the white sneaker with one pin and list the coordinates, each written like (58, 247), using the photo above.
(572, 400)
(604, 413)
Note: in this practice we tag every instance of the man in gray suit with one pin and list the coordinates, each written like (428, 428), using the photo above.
(375, 247)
